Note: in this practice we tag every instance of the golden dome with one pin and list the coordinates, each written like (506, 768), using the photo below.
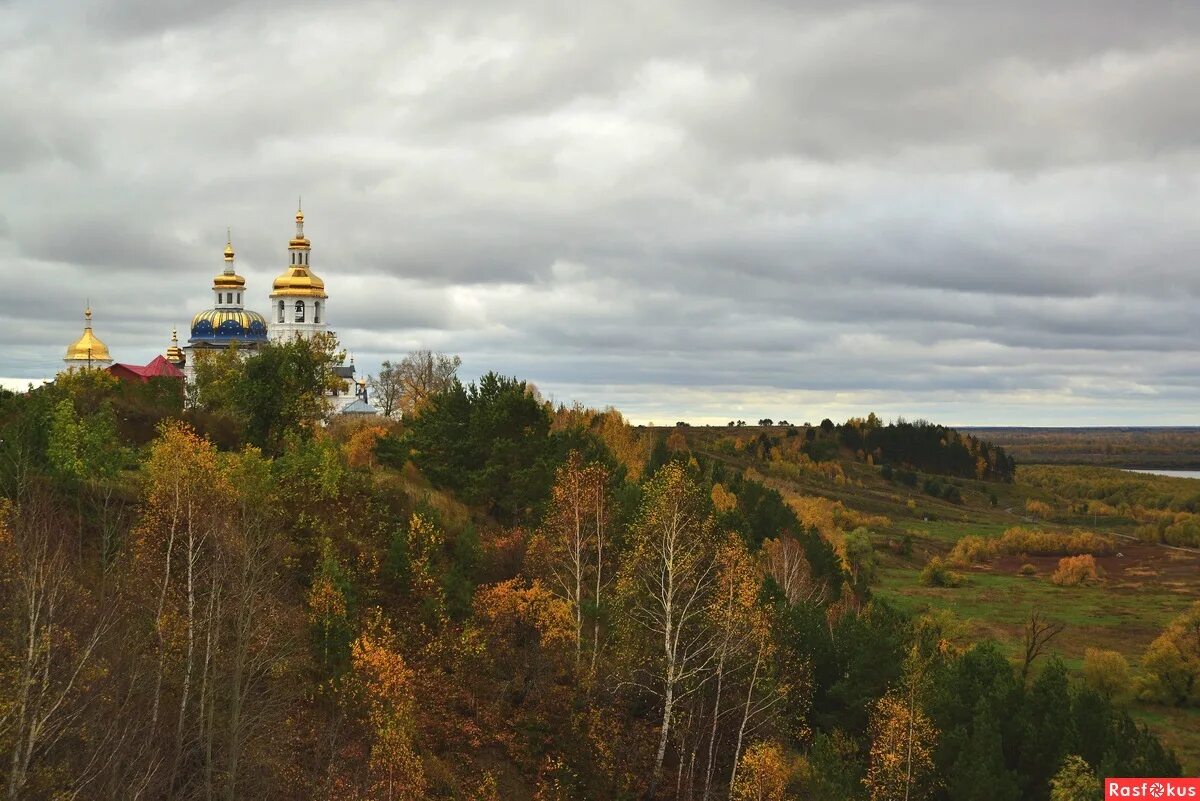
(174, 352)
(228, 279)
(88, 348)
(298, 282)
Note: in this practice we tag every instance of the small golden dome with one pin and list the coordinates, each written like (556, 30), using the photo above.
(174, 352)
(88, 348)
(228, 279)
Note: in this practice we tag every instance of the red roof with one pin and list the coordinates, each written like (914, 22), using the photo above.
(158, 368)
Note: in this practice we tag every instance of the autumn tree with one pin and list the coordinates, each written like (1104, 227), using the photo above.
(48, 648)
(405, 387)
(630, 446)
(207, 557)
(764, 774)
(188, 509)
(1075, 781)
(1172, 661)
(901, 766)
(382, 685)
(386, 389)
(329, 601)
(523, 634)
(1107, 672)
(360, 446)
(667, 583)
(788, 565)
(742, 631)
(573, 542)
(249, 682)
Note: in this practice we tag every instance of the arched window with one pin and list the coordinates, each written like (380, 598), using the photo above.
(281, 311)
(316, 311)
(299, 311)
(239, 297)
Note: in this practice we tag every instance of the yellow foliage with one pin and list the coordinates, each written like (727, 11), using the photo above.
(511, 606)
(1073, 570)
(762, 775)
(972, 550)
(1039, 509)
(677, 442)
(1172, 662)
(902, 744)
(1106, 672)
(1053, 543)
(722, 499)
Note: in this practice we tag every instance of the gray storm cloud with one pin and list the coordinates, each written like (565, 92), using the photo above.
(977, 212)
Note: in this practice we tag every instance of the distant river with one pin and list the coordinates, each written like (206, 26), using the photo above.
(1176, 473)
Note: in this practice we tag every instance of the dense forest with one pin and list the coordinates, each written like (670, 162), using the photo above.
(1150, 447)
(481, 596)
(906, 448)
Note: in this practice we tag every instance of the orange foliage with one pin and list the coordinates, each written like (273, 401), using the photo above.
(383, 683)
(360, 447)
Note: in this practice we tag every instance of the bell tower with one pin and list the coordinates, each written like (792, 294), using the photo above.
(298, 295)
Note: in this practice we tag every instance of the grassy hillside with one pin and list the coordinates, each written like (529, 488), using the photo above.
(1145, 585)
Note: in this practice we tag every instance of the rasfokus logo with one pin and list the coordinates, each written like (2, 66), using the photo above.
(1151, 788)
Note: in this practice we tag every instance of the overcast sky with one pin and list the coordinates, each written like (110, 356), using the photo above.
(977, 212)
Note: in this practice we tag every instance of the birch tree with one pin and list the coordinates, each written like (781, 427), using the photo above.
(572, 543)
(668, 585)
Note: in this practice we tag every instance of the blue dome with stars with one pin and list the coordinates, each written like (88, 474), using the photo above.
(227, 326)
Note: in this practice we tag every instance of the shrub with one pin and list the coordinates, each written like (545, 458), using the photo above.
(1053, 543)
(1038, 509)
(1073, 570)
(936, 574)
(1106, 672)
(1028, 570)
(1148, 532)
(1184, 531)
(972, 550)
